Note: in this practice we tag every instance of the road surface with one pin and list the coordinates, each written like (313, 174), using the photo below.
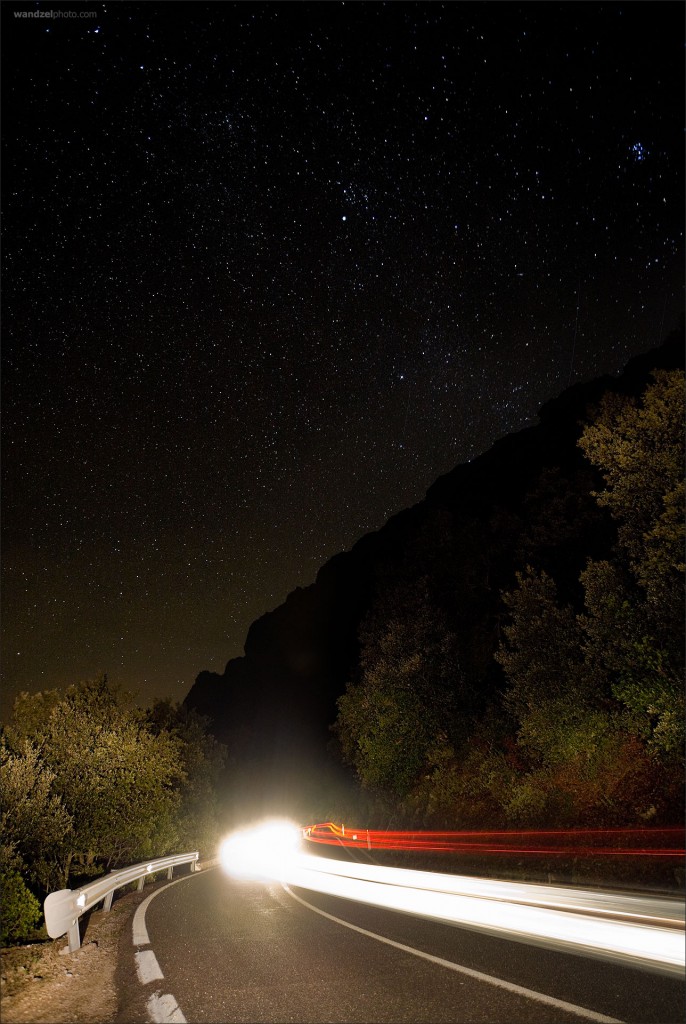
(222, 950)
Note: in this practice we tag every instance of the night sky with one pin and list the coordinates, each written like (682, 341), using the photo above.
(271, 268)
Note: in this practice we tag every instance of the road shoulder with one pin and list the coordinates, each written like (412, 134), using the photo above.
(45, 984)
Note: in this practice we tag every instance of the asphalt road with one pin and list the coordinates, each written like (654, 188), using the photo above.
(233, 951)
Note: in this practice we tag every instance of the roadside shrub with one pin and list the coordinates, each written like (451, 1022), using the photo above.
(20, 912)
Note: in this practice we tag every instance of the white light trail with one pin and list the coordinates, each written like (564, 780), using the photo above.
(640, 931)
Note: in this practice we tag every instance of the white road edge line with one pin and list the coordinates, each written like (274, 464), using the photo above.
(140, 932)
(528, 993)
(162, 1009)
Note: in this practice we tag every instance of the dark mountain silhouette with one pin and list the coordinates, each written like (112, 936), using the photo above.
(526, 499)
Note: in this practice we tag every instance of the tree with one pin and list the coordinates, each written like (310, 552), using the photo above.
(639, 449)
(635, 605)
(542, 655)
(566, 733)
(400, 718)
(116, 779)
(203, 759)
(597, 695)
(35, 826)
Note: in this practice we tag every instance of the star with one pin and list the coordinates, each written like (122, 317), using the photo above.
(199, 375)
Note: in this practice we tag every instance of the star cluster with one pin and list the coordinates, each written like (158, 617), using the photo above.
(270, 269)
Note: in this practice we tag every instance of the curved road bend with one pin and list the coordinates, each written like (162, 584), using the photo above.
(233, 951)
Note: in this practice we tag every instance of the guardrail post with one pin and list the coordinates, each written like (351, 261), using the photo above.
(107, 905)
(170, 870)
(141, 883)
(74, 937)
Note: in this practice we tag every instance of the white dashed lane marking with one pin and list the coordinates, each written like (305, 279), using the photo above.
(162, 1009)
(147, 967)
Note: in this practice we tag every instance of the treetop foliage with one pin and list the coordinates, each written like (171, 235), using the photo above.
(586, 725)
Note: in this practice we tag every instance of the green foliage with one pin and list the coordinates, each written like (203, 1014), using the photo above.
(32, 815)
(410, 702)
(116, 780)
(88, 782)
(542, 654)
(635, 606)
(589, 728)
(598, 696)
(202, 760)
(20, 912)
(639, 449)
(564, 724)
(35, 826)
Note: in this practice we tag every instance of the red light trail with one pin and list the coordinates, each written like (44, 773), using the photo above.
(577, 842)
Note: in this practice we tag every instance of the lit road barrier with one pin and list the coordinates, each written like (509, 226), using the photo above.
(636, 930)
(62, 909)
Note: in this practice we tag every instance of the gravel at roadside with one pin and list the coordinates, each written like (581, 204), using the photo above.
(46, 984)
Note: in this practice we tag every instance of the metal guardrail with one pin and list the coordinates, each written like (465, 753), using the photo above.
(62, 909)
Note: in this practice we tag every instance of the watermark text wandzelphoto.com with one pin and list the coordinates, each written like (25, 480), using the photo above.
(54, 15)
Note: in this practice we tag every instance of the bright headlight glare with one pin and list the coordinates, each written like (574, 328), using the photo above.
(266, 851)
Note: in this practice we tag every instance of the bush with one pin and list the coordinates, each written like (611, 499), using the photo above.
(21, 911)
